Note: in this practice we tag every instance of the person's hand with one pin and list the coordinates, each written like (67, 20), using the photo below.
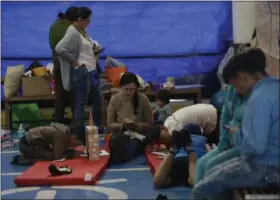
(176, 142)
(131, 126)
(233, 129)
(75, 64)
(186, 140)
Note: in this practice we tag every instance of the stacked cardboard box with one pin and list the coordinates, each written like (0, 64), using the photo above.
(92, 141)
(267, 26)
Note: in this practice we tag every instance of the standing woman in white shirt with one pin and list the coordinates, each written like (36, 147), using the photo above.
(79, 68)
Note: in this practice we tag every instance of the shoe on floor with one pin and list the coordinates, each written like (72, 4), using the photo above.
(58, 171)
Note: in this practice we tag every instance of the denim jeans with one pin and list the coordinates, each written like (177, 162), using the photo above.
(235, 173)
(212, 159)
(85, 87)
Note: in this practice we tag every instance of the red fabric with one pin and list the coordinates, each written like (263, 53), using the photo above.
(38, 174)
(107, 139)
(152, 160)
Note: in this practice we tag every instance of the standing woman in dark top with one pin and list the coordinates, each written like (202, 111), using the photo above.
(56, 33)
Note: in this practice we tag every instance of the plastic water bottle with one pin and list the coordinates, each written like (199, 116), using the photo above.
(20, 131)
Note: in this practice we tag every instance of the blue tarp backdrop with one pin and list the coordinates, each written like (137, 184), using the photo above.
(128, 29)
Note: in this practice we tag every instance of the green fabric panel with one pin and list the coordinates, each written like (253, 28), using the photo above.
(25, 112)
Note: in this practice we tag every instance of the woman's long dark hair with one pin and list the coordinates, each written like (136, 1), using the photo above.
(70, 14)
(128, 78)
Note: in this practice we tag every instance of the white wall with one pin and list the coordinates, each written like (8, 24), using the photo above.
(243, 14)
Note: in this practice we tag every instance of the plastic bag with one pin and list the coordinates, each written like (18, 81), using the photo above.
(223, 63)
(112, 62)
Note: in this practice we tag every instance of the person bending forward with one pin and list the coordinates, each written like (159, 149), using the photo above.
(47, 143)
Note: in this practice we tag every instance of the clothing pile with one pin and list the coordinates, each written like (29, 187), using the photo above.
(6, 139)
(114, 70)
(112, 62)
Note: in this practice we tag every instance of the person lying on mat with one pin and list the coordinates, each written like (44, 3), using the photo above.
(129, 118)
(232, 115)
(258, 136)
(47, 143)
(163, 108)
(177, 168)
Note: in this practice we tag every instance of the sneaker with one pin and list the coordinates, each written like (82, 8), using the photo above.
(58, 171)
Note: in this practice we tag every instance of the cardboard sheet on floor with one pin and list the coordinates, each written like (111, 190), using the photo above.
(154, 159)
(38, 174)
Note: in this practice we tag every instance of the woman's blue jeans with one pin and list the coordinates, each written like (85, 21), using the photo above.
(86, 86)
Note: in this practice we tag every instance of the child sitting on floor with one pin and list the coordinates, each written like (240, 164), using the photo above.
(163, 108)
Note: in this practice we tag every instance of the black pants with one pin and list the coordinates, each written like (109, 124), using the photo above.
(123, 149)
(62, 96)
(33, 152)
(179, 172)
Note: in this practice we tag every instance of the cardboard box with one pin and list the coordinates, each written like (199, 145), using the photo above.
(92, 143)
(267, 27)
(36, 86)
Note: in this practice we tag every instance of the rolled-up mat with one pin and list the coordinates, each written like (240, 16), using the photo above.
(84, 172)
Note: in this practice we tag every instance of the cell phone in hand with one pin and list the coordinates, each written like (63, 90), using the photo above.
(226, 126)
